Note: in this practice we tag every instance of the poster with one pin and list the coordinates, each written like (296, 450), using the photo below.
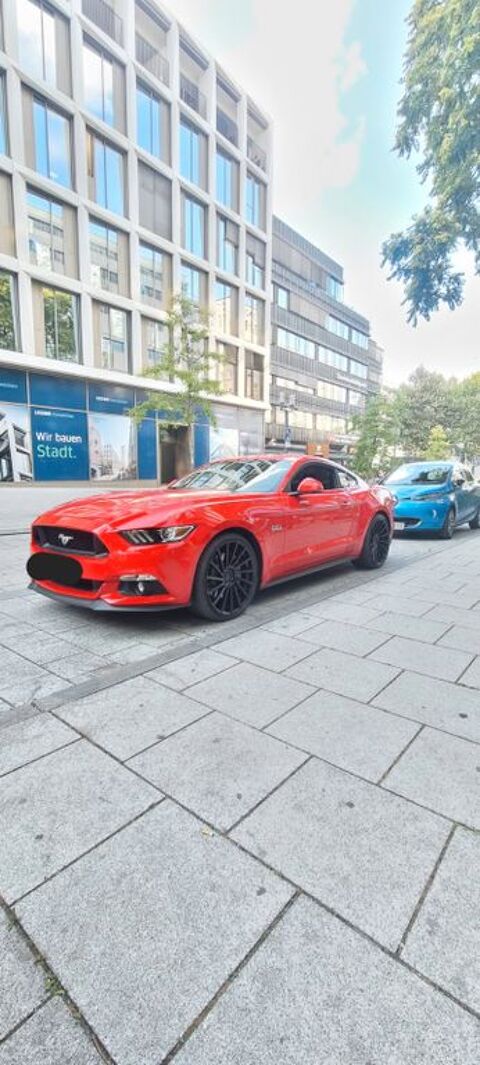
(113, 452)
(15, 443)
(60, 445)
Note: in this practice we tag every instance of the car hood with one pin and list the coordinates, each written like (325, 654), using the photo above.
(118, 510)
(413, 491)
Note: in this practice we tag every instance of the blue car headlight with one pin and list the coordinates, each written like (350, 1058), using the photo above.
(435, 497)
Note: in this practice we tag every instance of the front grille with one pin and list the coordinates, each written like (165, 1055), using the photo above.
(83, 585)
(73, 541)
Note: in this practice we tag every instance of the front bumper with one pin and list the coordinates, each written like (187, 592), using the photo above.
(420, 516)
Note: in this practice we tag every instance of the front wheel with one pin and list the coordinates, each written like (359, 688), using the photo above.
(448, 527)
(475, 522)
(376, 546)
(226, 578)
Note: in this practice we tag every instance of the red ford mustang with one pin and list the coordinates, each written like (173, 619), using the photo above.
(211, 539)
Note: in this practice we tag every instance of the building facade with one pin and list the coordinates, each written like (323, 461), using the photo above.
(324, 363)
(131, 167)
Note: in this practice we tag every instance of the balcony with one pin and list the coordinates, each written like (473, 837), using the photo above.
(151, 59)
(256, 154)
(191, 95)
(104, 16)
(227, 127)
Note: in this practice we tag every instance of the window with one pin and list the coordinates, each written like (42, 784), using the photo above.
(55, 323)
(193, 154)
(3, 118)
(155, 201)
(226, 371)
(341, 329)
(282, 297)
(108, 258)
(103, 85)
(43, 43)
(194, 284)
(333, 358)
(330, 423)
(253, 375)
(111, 338)
(335, 288)
(153, 123)
(286, 382)
(7, 227)
(8, 316)
(105, 166)
(227, 180)
(295, 342)
(226, 308)
(356, 399)
(51, 132)
(155, 338)
(358, 369)
(193, 226)
(227, 245)
(51, 234)
(254, 319)
(358, 338)
(255, 261)
(327, 391)
(255, 202)
(300, 419)
(155, 275)
(346, 479)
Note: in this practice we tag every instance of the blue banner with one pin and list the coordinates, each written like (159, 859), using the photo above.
(59, 445)
(13, 385)
(57, 392)
(110, 399)
(147, 450)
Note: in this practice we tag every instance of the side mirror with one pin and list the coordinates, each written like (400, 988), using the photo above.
(309, 485)
(458, 481)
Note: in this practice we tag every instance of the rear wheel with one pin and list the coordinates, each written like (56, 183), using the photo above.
(226, 578)
(448, 527)
(376, 546)
(475, 522)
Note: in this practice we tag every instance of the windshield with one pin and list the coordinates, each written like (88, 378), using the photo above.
(418, 473)
(237, 475)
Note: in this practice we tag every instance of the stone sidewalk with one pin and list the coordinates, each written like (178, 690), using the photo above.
(249, 844)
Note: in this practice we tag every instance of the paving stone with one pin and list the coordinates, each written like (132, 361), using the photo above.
(79, 666)
(433, 661)
(219, 768)
(265, 649)
(412, 628)
(39, 647)
(439, 703)
(398, 603)
(338, 610)
(161, 914)
(344, 674)
(444, 943)
(466, 597)
(443, 773)
(22, 987)
(26, 740)
(343, 637)
(317, 993)
(472, 676)
(14, 667)
(50, 1037)
(138, 652)
(55, 809)
(130, 716)
(17, 692)
(292, 624)
(250, 694)
(334, 836)
(454, 615)
(186, 671)
(99, 641)
(349, 734)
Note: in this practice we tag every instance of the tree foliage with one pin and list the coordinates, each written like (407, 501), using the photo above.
(377, 436)
(439, 117)
(438, 446)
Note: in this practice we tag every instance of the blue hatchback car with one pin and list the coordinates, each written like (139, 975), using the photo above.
(434, 497)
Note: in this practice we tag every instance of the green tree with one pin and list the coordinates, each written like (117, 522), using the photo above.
(466, 420)
(420, 404)
(439, 117)
(438, 446)
(377, 436)
(188, 364)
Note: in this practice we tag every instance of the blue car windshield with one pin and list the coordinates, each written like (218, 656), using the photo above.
(419, 473)
(237, 475)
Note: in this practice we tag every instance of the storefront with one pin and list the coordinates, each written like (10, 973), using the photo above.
(56, 428)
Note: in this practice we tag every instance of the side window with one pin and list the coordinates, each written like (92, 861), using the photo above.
(317, 470)
(346, 480)
(468, 476)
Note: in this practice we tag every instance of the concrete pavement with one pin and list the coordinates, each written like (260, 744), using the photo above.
(248, 843)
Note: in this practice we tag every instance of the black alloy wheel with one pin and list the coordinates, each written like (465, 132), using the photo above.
(448, 527)
(376, 545)
(475, 522)
(227, 578)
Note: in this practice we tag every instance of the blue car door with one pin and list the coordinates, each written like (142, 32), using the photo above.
(465, 494)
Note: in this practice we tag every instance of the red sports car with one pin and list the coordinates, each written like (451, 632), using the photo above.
(212, 538)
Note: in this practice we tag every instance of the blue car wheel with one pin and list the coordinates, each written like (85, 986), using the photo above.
(448, 527)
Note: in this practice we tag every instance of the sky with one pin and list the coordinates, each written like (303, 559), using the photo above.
(328, 74)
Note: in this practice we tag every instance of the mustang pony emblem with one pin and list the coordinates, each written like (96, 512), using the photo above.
(64, 539)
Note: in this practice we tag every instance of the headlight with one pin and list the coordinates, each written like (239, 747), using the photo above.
(433, 497)
(169, 534)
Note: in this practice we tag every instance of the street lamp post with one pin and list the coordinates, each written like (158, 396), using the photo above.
(287, 404)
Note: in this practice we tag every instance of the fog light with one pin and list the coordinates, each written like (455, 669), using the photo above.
(140, 584)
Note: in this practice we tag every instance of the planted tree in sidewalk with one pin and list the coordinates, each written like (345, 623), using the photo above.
(377, 436)
(438, 446)
(186, 363)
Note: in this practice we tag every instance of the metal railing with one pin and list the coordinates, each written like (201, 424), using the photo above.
(192, 95)
(226, 126)
(105, 17)
(151, 59)
(256, 154)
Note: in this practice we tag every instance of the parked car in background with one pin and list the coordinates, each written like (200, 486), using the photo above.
(434, 497)
(212, 538)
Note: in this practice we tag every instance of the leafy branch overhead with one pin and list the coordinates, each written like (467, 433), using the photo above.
(439, 118)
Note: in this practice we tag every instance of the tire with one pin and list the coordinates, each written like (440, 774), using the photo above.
(226, 579)
(448, 527)
(376, 545)
(475, 522)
